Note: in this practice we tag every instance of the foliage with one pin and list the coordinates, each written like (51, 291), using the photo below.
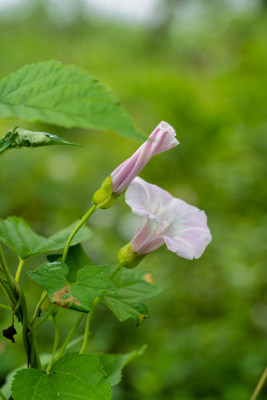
(207, 337)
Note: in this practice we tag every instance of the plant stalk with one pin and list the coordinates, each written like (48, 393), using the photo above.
(259, 385)
(88, 323)
(75, 230)
(68, 338)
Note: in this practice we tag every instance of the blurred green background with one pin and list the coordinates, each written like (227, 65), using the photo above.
(201, 66)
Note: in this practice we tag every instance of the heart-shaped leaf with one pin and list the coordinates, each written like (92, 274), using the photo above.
(18, 236)
(73, 377)
(91, 282)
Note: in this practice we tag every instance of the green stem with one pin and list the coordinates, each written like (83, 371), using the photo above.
(55, 346)
(7, 273)
(28, 335)
(88, 323)
(49, 312)
(259, 385)
(68, 338)
(75, 230)
(38, 307)
(20, 266)
(116, 270)
(5, 307)
(3, 397)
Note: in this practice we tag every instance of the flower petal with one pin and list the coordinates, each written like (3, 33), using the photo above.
(189, 235)
(149, 201)
(148, 238)
(161, 139)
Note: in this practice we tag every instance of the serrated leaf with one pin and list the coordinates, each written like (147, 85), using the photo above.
(133, 288)
(18, 137)
(76, 259)
(6, 388)
(18, 236)
(62, 95)
(114, 363)
(91, 282)
(73, 377)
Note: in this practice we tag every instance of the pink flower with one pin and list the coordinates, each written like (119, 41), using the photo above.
(183, 228)
(161, 139)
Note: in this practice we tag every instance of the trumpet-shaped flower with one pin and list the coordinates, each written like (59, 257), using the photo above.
(182, 227)
(160, 140)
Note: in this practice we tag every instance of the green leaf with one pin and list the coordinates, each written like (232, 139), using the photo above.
(18, 236)
(18, 137)
(91, 282)
(73, 377)
(114, 363)
(62, 95)
(6, 388)
(133, 288)
(76, 259)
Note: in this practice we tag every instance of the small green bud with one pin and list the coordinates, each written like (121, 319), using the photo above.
(104, 197)
(128, 258)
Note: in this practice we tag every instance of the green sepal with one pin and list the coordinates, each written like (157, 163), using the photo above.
(128, 258)
(104, 196)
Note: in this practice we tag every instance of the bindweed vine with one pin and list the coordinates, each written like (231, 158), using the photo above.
(69, 279)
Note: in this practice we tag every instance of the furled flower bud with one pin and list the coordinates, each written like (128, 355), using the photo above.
(160, 140)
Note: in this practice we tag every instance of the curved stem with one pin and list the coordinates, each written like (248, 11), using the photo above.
(38, 307)
(20, 266)
(259, 385)
(2, 396)
(116, 270)
(88, 323)
(75, 230)
(55, 346)
(49, 312)
(68, 338)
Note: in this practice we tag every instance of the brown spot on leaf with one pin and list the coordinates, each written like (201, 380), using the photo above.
(148, 278)
(63, 298)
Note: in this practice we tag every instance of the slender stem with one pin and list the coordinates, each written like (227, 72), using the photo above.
(2, 396)
(49, 312)
(88, 323)
(75, 230)
(259, 385)
(116, 270)
(20, 266)
(68, 338)
(5, 307)
(7, 273)
(55, 346)
(38, 307)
